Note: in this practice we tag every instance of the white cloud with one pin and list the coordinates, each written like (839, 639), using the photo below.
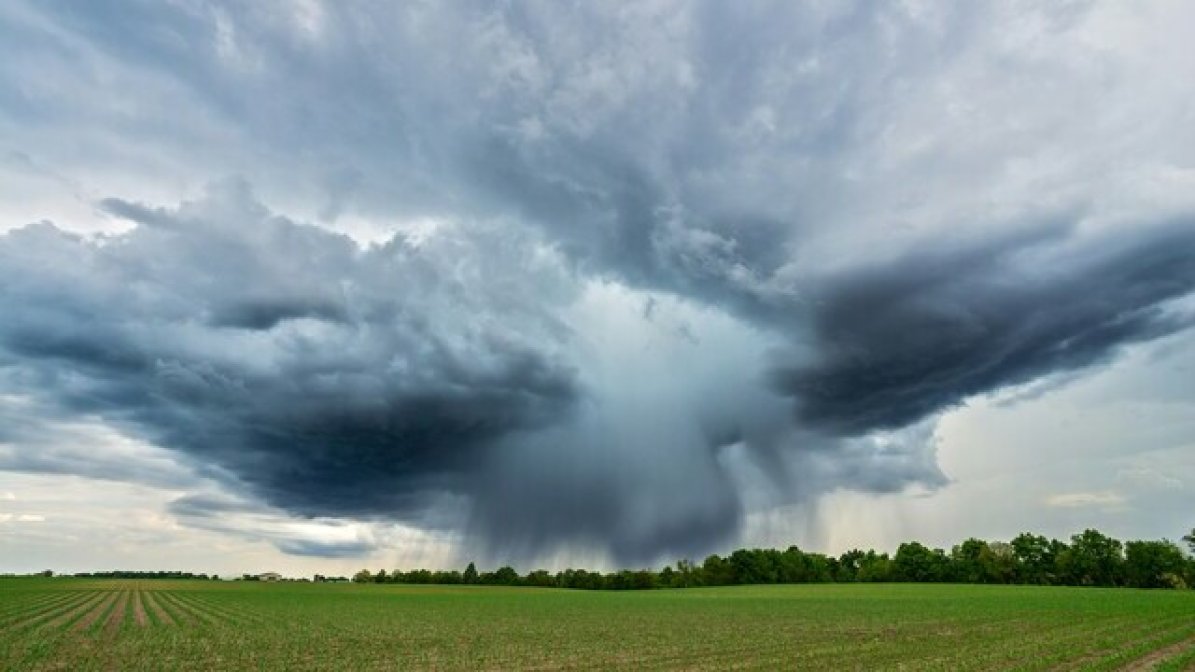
(1074, 500)
(21, 518)
(1147, 478)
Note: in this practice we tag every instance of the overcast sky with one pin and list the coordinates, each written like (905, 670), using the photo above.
(312, 286)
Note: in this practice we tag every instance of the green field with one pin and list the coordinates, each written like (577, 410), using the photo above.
(78, 624)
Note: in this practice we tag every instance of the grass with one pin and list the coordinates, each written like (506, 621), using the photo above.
(79, 624)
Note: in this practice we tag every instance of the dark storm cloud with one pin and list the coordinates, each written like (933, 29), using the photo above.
(923, 332)
(324, 549)
(327, 378)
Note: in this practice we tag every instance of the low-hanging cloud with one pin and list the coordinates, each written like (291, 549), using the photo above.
(366, 378)
(915, 335)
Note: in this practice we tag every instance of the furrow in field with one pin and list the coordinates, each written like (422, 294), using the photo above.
(180, 615)
(116, 616)
(1038, 647)
(1182, 662)
(716, 654)
(215, 613)
(60, 611)
(139, 614)
(29, 610)
(1148, 654)
(713, 654)
(95, 614)
(1077, 650)
(817, 653)
(236, 609)
(160, 614)
(1106, 649)
(228, 613)
(43, 602)
(24, 605)
(65, 617)
(976, 647)
(1154, 659)
(991, 653)
(720, 657)
(186, 611)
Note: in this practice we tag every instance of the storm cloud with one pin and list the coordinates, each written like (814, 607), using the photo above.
(353, 380)
(596, 279)
(920, 333)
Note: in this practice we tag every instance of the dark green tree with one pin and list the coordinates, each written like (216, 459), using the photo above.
(717, 572)
(470, 575)
(540, 578)
(1093, 559)
(915, 562)
(969, 561)
(506, 576)
(849, 564)
(1036, 558)
(875, 567)
(1154, 564)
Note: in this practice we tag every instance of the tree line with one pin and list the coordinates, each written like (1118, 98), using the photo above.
(1089, 559)
(130, 574)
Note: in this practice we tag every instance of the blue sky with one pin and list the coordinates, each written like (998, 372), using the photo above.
(311, 286)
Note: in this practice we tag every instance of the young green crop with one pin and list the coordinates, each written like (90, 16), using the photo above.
(113, 624)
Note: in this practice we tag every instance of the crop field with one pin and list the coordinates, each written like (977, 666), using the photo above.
(78, 624)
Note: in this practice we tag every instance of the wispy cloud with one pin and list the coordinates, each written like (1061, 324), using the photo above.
(1079, 500)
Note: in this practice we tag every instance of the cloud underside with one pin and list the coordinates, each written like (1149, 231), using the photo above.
(608, 306)
(373, 381)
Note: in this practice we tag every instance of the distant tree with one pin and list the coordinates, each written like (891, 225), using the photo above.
(506, 576)
(1003, 562)
(977, 561)
(717, 572)
(1036, 558)
(644, 579)
(540, 578)
(451, 576)
(752, 566)
(1093, 559)
(1190, 539)
(667, 577)
(915, 562)
(1154, 564)
(687, 575)
(969, 561)
(849, 564)
(875, 567)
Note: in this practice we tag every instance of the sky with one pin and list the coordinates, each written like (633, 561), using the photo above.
(312, 286)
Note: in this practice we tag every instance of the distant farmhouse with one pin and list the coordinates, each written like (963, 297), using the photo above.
(269, 576)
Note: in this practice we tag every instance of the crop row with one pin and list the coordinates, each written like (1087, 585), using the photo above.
(107, 611)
